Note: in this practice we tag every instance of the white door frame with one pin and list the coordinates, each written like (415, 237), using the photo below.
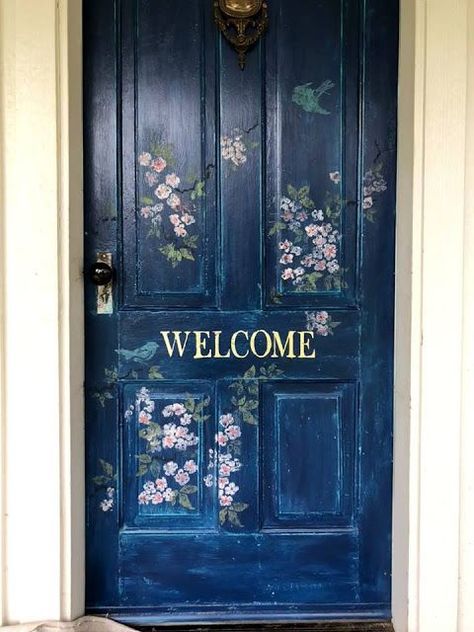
(41, 336)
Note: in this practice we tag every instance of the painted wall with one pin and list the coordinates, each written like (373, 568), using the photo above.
(41, 494)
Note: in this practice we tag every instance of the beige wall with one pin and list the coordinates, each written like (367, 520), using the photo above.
(41, 449)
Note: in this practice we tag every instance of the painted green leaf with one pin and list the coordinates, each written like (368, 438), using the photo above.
(184, 501)
(144, 458)
(189, 489)
(155, 468)
(292, 192)
(222, 515)
(249, 418)
(142, 470)
(234, 518)
(239, 507)
(277, 227)
(199, 190)
(186, 254)
(309, 98)
(106, 467)
(101, 481)
(154, 373)
(190, 404)
(250, 372)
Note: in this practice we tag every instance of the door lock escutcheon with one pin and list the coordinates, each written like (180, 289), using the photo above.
(101, 274)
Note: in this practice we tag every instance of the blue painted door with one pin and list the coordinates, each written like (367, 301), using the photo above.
(239, 368)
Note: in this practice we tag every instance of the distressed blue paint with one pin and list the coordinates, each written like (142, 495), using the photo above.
(315, 540)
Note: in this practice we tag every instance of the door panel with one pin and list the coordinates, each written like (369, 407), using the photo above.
(239, 390)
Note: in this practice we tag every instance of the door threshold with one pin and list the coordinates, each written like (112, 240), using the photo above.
(317, 626)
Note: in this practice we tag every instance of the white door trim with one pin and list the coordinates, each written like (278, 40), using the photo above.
(41, 373)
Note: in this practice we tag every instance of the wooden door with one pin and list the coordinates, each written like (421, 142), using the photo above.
(239, 366)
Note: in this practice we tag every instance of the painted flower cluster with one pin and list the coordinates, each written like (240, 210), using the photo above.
(108, 502)
(374, 184)
(228, 463)
(172, 486)
(171, 449)
(169, 208)
(321, 323)
(233, 149)
(105, 484)
(309, 243)
(225, 460)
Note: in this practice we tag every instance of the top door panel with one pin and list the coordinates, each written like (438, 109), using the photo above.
(283, 189)
(312, 113)
(168, 148)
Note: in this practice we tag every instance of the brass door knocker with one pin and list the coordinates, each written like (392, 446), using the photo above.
(242, 23)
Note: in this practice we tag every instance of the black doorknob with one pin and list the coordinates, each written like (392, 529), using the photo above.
(101, 273)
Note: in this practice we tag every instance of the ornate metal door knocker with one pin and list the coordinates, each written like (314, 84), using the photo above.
(242, 23)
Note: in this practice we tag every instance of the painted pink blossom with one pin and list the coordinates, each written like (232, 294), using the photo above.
(151, 178)
(285, 245)
(186, 419)
(222, 439)
(178, 409)
(170, 468)
(181, 477)
(180, 231)
(322, 330)
(190, 466)
(311, 230)
(144, 159)
(223, 482)
(172, 180)
(168, 441)
(208, 480)
(173, 201)
(368, 202)
(287, 274)
(231, 489)
(225, 469)
(181, 432)
(157, 498)
(226, 420)
(286, 258)
(161, 484)
(233, 432)
(163, 191)
(144, 418)
(169, 495)
(330, 251)
(225, 501)
(174, 219)
(188, 219)
(158, 164)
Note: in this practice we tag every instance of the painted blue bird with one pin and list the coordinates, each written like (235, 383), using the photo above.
(142, 355)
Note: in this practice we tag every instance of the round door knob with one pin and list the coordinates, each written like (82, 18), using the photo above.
(101, 273)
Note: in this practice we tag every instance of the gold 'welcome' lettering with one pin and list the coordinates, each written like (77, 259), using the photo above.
(240, 344)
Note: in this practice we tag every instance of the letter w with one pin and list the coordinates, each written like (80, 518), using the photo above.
(177, 342)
